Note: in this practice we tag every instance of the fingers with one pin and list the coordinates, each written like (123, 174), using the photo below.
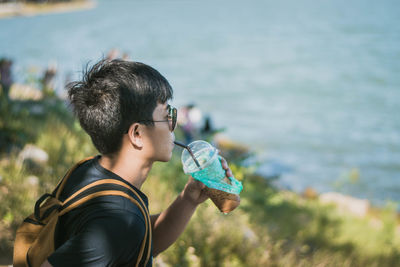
(199, 184)
(195, 183)
(224, 164)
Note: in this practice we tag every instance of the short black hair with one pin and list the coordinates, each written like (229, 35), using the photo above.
(112, 95)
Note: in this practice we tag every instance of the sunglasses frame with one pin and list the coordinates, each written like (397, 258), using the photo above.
(172, 118)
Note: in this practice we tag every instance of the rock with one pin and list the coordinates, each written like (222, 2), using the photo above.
(33, 154)
(358, 207)
(32, 180)
(25, 92)
(231, 150)
(310, 193)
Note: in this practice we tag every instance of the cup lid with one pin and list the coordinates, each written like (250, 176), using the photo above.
(203, 152)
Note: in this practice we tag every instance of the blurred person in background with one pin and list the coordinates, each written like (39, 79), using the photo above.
(190, 121)
(6, 79)
(48, 79)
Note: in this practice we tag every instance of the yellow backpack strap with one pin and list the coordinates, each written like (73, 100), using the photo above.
(71, 204)
(105, 181)
(60, 186)
(57, 191)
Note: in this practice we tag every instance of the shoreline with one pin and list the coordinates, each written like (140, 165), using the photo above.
(358, 207)
(11, 10)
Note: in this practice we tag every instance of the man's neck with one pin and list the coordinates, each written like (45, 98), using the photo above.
(133, 170)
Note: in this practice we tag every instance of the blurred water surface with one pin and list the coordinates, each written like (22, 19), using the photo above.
(313, 85)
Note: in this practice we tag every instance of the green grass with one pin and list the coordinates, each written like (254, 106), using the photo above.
(270, 227)
(56, 132)
(275, 228)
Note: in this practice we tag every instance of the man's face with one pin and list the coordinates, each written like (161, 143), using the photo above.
(159, 140)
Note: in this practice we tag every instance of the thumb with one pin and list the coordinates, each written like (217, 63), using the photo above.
(195, 183)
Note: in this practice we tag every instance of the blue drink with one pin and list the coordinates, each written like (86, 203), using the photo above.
(210, 171)
(213, 171)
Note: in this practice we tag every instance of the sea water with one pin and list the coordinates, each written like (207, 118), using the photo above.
(312, 86)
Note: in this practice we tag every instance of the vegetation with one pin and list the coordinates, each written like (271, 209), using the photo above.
(270, 227)
(36, 7)
(36, 1)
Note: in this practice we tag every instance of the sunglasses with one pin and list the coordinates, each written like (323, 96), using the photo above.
(172, 116)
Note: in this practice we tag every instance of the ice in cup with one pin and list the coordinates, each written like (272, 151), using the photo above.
(223, 191)
(225, 202)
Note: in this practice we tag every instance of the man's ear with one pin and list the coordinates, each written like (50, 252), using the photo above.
(135, 134)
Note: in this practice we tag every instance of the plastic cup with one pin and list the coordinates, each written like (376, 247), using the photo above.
(223, 191)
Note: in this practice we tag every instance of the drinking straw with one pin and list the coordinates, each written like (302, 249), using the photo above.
(189, 150)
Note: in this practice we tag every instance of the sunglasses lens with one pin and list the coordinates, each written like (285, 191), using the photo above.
(174, 117)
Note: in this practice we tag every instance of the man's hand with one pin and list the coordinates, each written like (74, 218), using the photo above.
(168, 225)
(193, 191)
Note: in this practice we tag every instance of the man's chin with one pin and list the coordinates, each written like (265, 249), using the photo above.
(166, 159)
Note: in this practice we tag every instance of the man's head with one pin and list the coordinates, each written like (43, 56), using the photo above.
(115, 94)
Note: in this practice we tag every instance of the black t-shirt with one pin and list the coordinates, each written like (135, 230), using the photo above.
(105, 231)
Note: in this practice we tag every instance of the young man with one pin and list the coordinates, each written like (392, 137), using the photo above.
(124, 108)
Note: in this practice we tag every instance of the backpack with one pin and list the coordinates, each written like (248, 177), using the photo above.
(34, 241)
